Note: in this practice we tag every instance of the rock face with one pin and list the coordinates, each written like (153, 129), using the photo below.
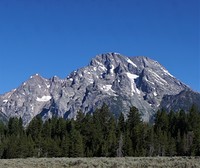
(183, 100)
(111, 78)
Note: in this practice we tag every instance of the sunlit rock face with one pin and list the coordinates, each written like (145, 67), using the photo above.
(114, 79)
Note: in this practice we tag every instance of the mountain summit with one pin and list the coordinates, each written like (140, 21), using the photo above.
(114, 79)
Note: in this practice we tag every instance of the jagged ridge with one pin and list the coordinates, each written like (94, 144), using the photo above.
(112, 78)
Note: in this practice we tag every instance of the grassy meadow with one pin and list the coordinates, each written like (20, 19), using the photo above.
(126, 162)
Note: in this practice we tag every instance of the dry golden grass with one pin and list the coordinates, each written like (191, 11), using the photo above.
(127, 162)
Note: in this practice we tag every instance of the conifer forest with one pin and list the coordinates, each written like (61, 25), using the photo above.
(101, 134)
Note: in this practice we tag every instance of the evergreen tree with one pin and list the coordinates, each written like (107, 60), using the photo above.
(180, 144)
(193, 118)
(2, 138)
(104, 127)
(12, 147)
(121, 124)
(194, 126)
(120, 135)
(65, 145)
(50, 148)
(162, 142)
(111, 138)
(13, 126)
(89, 135)
(133, 128)
(79, 119)
(128, 146)
(34, 130)
(182, 122)
(134, 117)
(25, 147)
(76, 144)
(172, 124)
(120, 147)
(161, 121)
(150, 142)
(46, 129)
(171, 146)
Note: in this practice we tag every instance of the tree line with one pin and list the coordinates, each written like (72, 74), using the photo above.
(103, 135)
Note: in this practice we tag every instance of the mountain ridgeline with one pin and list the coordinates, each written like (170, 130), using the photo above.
(119, 81)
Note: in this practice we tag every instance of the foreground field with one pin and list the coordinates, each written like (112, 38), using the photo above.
(135, 162)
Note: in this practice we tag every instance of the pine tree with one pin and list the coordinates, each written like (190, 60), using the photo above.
(134, 117)
(194, 126)
(76, 144)
(60, 128)
(120, 147)
(13, 126)
(65, 145)
(128, 146)
(182, 122)
(120, 132)
(121, 124)
(79, 119)
(150, 142)
(140, 141)
(193, 118)
(50, 148)
(25, 147)
(111, 139)
(161, 142)
(172, 124)
(181, 142)
(34, 130)
(46, 129)
(101, 119)
(133, 126)
(12, 147)
(2, 138)
(161, 121)
(87, 131)
(171, 146)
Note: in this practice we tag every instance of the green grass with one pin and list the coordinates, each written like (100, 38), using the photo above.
(127, 162)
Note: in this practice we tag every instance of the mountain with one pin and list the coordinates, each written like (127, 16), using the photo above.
(183, 100)
(111, 78)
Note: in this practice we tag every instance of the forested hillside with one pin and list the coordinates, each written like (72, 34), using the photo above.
(102, 135)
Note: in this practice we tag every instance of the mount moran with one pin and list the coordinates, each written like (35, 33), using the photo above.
(114, 79)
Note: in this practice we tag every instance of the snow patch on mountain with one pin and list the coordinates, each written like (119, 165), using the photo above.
(5, 101)
(167, 72)
(132, 78)
(155, 94)
(48, 86)
(131, 62)
(112, 69)
(107, 87)
(158, 78)
(44, 98)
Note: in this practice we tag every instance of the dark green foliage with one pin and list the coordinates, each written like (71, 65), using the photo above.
(35, 128)
(161, 121)
(50, 148)
(14, 126)
(76, 144)
(102, 135)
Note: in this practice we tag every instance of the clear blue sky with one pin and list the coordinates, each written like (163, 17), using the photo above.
(55, 37)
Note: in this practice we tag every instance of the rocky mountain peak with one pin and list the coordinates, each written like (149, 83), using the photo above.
(110, 78)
